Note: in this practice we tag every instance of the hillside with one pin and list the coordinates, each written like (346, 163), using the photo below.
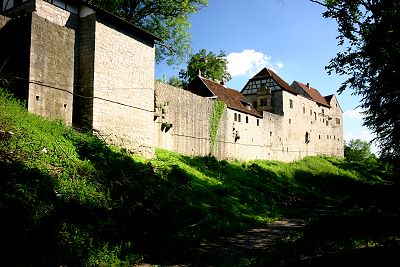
(66, 198)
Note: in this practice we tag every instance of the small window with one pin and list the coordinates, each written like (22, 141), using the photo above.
(270, 133)
(310, 112)
(319, 136)
(65, 105)
(37, 98)
(323, 111)
(235, 117)
(307, 137)
(290, 103)
(304, 110)
(290, 121)
(327, 123)
(258, 122)
(315, 116)
(239, 119)
(327, 137)
(247, 119)
(337, 121)
(264, 102)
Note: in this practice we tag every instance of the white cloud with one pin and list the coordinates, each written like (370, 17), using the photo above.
(356, 113)
(249, 62)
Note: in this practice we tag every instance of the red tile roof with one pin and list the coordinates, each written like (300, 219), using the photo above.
(232, 98)
(270, 73)
(313, 93)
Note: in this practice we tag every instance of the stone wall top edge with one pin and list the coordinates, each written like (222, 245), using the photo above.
(159, 86)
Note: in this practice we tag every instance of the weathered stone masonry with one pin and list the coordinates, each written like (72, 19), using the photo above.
(290, 133)
(51, 69)
(83, 66)
(123, 104)
(182, 121)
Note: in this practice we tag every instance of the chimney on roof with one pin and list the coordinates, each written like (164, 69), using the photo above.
(308, 85)
(222, 82)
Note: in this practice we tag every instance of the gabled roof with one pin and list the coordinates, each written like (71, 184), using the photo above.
(313, 94)
(232, 98)
(328, 99)
(266, 73)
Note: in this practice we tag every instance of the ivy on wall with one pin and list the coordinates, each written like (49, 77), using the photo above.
(215, 119)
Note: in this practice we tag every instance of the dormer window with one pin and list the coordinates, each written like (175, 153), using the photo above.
(246, 104)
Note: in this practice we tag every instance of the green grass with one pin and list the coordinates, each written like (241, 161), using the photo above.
(66, 198)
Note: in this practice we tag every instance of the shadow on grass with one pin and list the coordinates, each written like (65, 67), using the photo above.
(159, 210)
(357, 235)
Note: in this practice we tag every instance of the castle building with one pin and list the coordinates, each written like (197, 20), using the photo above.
(312, 124)
(88, 68)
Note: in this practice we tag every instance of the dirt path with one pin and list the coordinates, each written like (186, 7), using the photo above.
(255, 240)
(228, 249)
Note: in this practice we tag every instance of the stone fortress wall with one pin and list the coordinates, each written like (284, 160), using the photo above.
(85, 70)
(123, 104)
(77, 67)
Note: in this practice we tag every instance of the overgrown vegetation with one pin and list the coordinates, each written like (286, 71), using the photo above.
(68, 199)
(215, 121)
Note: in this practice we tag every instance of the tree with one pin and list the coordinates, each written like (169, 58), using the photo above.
(212, 66)
(175, 81)
(167, 19)
(370, 31)
(358, 150)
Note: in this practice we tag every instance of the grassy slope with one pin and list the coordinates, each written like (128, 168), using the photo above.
(67, 198)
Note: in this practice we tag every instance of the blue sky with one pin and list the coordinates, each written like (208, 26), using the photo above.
(289, 36)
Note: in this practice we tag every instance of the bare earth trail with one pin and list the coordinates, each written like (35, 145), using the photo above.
(250, 242)
(226, 249)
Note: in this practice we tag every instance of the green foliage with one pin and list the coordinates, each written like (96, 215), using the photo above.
(79, 202)
(370, 32)
(167, 19)
(212, 66)
(215, 119)
(358, 150)
(175, 81)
